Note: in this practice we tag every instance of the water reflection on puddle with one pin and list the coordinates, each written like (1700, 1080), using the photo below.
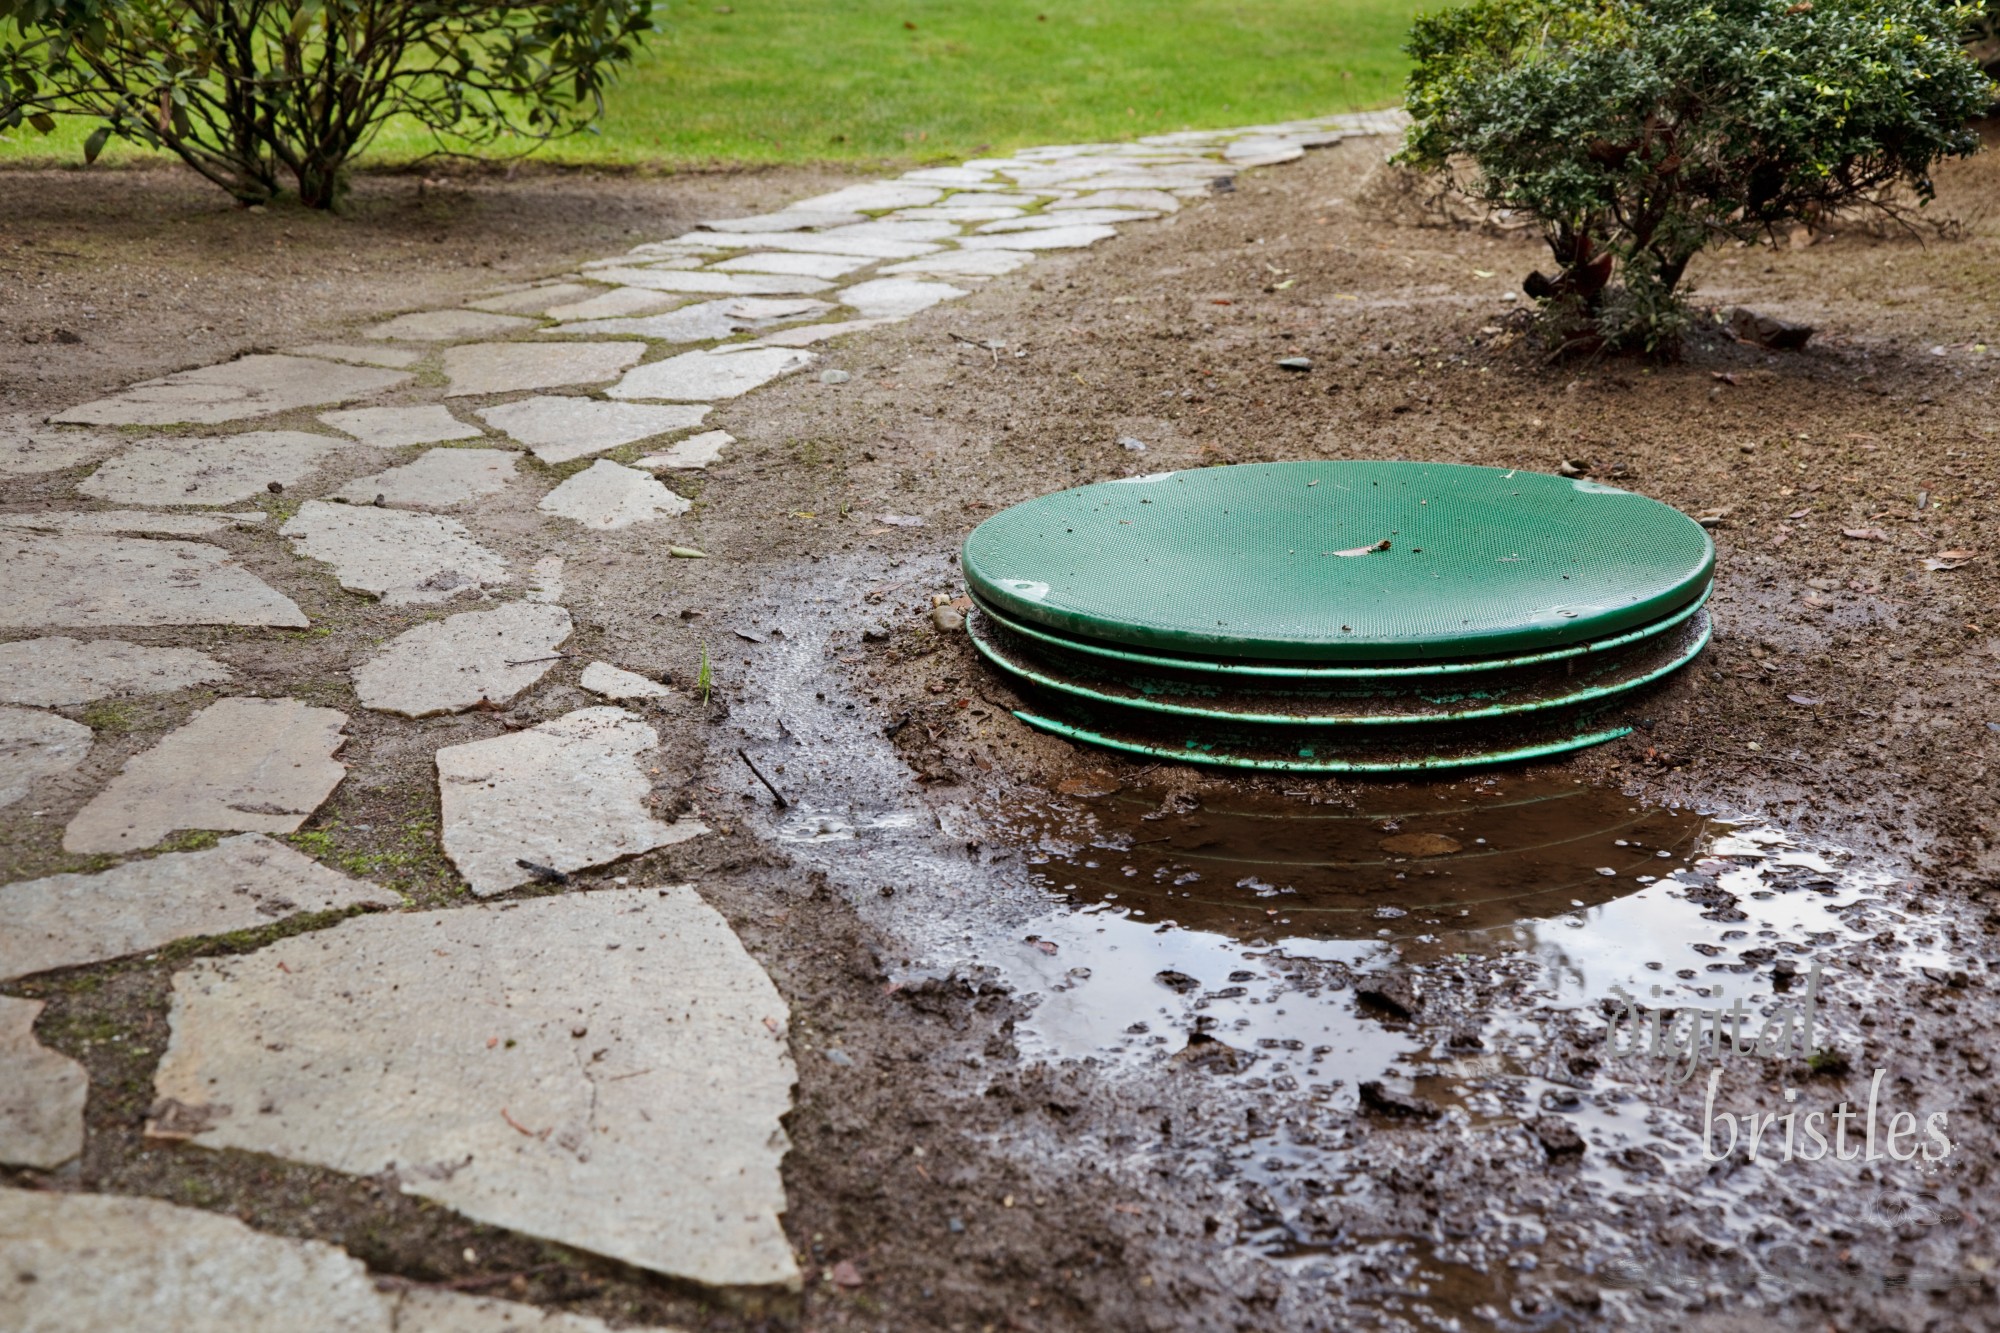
(1229, 929)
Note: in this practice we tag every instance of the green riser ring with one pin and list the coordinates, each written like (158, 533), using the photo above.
(1428, 764)
(1220, 667)
(1583, 698)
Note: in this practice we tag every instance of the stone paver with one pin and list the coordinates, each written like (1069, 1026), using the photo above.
(1157, 201)
(535, 300)
(701, 281)
(1263, 152)
(440, 326)
(398, 427)
(41, 1102)
(1051, 238)
(607, 495)
(90, 582)
(241, 764)
(545, 579)
(893, 229)
(1088, 217)
(567, 795)
(788, 219)
(130, 520)
(961, 216)
(483, 368)
(619, 301)
(252, 386)
(242, 883)
(393, 358)
(393, 554)
(813, 243)
(54, 672)
(965, 264)
(710, 375)
(27, 446)
(620, 685)
(872, 198)
(556, 1071)
(559, 429)
(793, 261)
(213, 471)
(477, 657)
(91, 1263)
(35, 745)
(435, 479)
(895, 298)
(696, 451)
(812, 334)
(710, 319)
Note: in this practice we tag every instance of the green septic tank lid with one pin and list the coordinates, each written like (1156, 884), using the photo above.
(1340, 561)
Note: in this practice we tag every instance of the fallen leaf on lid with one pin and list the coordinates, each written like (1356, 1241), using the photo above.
(1865, 534)
(1382, 545)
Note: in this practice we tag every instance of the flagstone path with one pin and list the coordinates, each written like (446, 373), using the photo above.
(608, 1069)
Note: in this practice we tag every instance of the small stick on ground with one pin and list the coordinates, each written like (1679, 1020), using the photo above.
(776, 795)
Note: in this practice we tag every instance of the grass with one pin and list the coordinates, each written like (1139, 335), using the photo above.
(868, 81)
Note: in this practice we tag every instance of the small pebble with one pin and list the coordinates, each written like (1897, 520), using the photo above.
(1299, 363)
(947, 619)
(834, 377)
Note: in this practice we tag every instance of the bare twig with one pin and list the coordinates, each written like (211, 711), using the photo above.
(776, 795)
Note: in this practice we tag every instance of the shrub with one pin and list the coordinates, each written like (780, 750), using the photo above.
(1640, 131)
(247, 90)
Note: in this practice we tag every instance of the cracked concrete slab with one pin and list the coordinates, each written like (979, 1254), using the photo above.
(555, 1071)
(216, 470)
(36, 745)
(447, 326)
(57, 671)
(620, 685)
(242, 883)
(91, 582)
(252, 386)
(435, 479)
(708, 375)
(559, 428)
(566, 795)
(241, 764)
(607, 495)
(483, 368)
(397, 427)
(41, 1097)
(476, 657)
(395, 555)
(91, 1263)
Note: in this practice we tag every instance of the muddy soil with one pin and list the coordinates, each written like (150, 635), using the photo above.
(1024, 1104)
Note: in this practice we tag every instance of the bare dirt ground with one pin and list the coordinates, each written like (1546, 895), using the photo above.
(953, 1169)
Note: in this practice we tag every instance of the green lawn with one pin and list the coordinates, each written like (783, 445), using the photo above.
(776, 81)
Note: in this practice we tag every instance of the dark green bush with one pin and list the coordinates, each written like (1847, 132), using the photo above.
(246, 91)
(1640, 131)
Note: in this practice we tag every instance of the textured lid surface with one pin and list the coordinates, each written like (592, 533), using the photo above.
(1287, 560)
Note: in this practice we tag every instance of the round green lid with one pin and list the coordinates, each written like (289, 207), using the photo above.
(1353, 561)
